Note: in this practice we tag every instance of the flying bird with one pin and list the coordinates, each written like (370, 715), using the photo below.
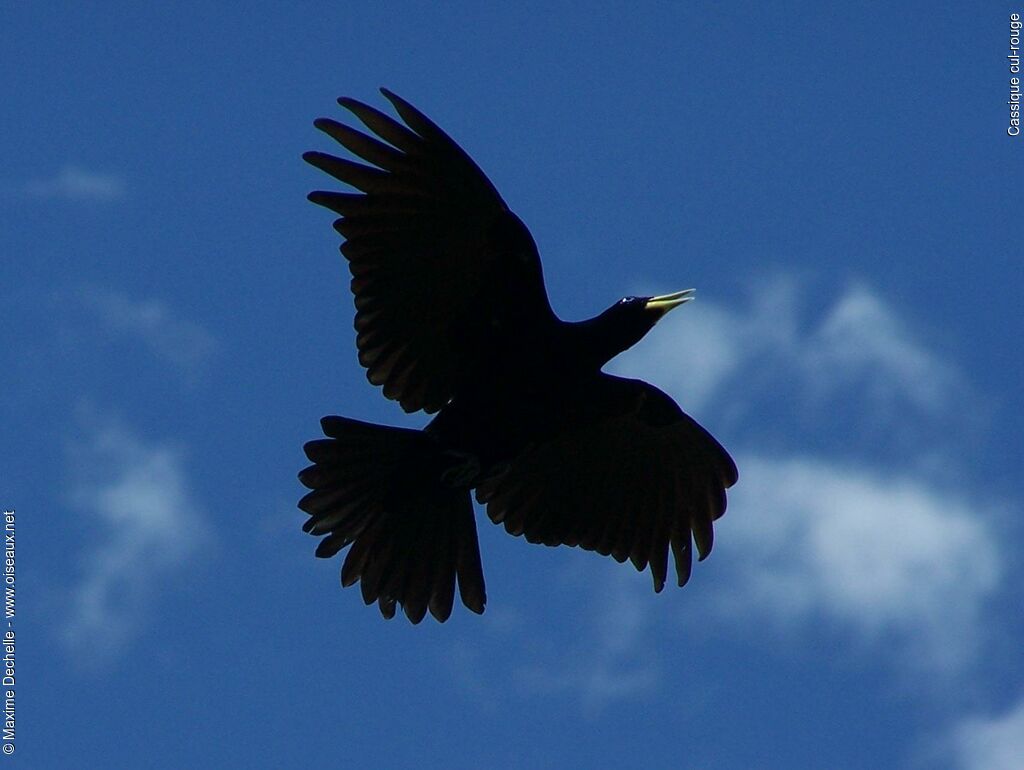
(452, 318)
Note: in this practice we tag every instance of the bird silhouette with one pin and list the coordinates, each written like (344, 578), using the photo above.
(452, 318)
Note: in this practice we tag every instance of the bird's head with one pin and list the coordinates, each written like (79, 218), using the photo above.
(627, 321)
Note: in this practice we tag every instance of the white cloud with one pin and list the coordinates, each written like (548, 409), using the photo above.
(182, 342)
(884, 554)
(991, 743)
(861, 337)
(135, 496)
(77, 184)
(715, 355)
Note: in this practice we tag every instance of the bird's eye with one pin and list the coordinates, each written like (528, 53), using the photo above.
(627, 300)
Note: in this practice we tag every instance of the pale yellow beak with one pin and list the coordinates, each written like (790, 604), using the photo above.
(666, 302)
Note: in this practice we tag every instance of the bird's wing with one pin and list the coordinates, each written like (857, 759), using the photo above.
(630, 477)
(438, 261)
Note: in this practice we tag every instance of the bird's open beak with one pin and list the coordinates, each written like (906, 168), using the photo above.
(664, 303)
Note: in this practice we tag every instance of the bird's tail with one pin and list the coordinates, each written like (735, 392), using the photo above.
(378, 489)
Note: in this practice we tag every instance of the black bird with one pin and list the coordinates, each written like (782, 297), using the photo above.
(452, 317)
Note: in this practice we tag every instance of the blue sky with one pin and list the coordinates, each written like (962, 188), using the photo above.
(838, 184)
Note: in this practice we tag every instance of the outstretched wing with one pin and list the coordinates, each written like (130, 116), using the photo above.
(630, 477)
(439, 264)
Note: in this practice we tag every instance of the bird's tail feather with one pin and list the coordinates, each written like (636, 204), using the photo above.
(376, 488)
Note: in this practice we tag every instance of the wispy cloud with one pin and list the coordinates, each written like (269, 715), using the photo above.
(991, 743)
(136, 496)
(183, 343)
(74, 183)
(890, 556)
(717, 356)
(862, 340)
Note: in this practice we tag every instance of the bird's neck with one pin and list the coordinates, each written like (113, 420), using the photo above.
(596, 341)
